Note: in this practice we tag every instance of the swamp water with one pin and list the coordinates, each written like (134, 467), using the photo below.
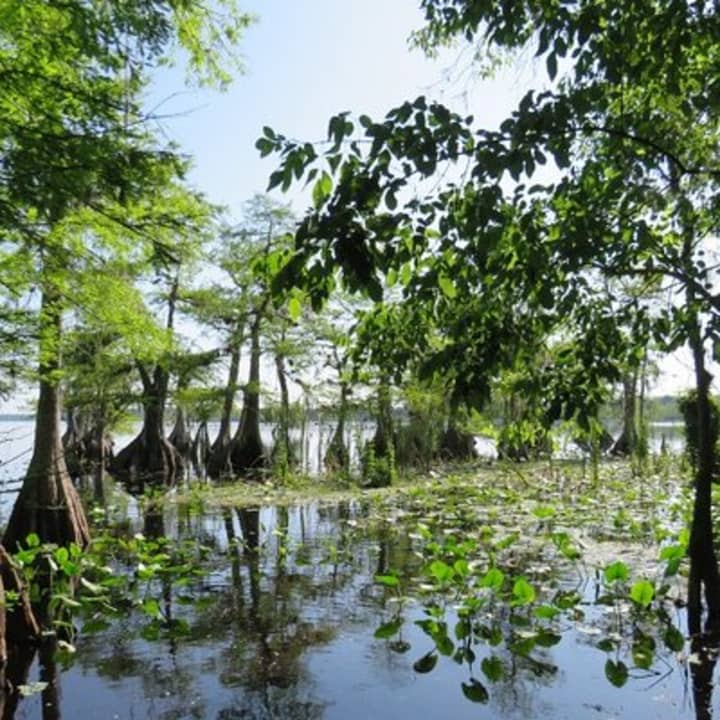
(455, 599)
(504, 593)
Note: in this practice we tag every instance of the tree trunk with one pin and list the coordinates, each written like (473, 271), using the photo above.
(703, 561)
(149, 458)
(48, 504)
(218, 463)
(247, 452)
(282, 447)
(383, 439)
(200, 452)
(704, 651)
(250, 526)
(103, 455)
(224, 435)
(627, 441)
(180, 437)
(337, 456)
(379, 456)
(456, 444)
(73, 442)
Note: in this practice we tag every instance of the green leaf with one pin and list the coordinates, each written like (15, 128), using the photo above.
(462, 629)
(552, 65)
(387, 580)
(294, 308)
(265, 146)
(461, 567)
(475, 691)
(426, 663)
(447, 286)
(444, 644)
(92, 587)
(643, 652)
(493, 579)
(95, 625)
(673, 552)
(523, 592)
(68, 601)
(616, 673)
(493, 668)
(607, 644)
(546, 612)
(32, 540)
(441, 571)
(151, 608)
(388, 629)
(544, 512)
(616, 572)
(674, 639)
(322, 189)
(642, 592)
(547, 639)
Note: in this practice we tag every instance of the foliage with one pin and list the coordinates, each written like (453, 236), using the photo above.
(497, 261)
(113, 578)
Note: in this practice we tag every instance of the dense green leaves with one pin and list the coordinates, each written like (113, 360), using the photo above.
(493, 266)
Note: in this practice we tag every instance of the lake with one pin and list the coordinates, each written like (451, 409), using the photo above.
(357, 607)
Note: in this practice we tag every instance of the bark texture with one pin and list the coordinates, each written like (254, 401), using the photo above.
(337, 457)
(150, 459)
(200, 451)
(247, 451)
(283, 449)
(627, 442)
(48, 504)
(180, 437)
(218, 463)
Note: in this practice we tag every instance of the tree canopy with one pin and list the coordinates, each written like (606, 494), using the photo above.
(496, 261)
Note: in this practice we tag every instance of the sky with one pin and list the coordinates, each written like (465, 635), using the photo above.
(305, 61)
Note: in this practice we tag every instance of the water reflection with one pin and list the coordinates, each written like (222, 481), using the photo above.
(282, 627)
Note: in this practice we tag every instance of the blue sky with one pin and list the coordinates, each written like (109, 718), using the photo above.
(307, 60)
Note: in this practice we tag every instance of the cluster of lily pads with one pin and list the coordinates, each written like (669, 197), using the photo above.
(522, 560)
(486, 567)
